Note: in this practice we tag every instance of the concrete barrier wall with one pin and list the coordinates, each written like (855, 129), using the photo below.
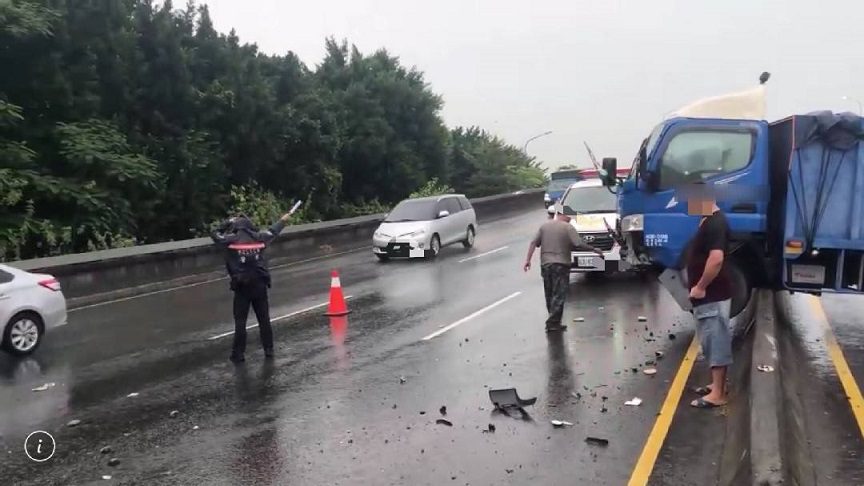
(126, 271)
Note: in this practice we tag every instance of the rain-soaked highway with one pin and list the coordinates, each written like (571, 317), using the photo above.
(355, 401)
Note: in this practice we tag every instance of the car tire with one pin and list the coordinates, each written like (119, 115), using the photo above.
(382, 258)
(469, 238)
(20, 331)
(434, 246)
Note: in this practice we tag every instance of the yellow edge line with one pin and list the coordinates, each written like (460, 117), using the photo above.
(645, 464)
(850, 386)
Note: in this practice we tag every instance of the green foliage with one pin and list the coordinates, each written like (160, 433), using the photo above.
(260, 206)
(432, 188)
(129, 121)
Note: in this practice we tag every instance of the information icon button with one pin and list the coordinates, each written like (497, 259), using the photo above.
(39, 446)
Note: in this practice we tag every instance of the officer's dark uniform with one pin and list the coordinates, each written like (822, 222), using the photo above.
(244, 258)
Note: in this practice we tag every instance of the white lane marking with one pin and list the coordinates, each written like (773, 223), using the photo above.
(472, 316)
(186, 286)
(286, 316)
(496, 250)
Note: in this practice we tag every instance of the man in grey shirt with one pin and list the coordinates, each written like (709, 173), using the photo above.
(557, 238)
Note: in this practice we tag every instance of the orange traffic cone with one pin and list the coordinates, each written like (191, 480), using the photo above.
(337, 305)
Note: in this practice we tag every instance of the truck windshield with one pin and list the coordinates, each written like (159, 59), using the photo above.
(559, 185)
(587, 200)
(417, 210)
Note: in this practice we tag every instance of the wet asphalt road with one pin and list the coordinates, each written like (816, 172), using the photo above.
(353, 401)
(835, 438)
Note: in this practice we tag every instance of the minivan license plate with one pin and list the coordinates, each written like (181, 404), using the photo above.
(585, 261)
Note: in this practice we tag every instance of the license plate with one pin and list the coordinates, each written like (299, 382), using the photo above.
(585, 261)
(396, 247)
(808, 274)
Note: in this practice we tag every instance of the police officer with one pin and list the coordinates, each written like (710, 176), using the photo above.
(556, 238)
(244, 259)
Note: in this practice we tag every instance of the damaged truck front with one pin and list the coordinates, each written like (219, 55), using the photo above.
(792, 190)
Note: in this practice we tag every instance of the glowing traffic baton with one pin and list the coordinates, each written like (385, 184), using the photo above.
(294, 208)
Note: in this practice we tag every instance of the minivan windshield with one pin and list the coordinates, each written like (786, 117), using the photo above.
(412, 210)
(587, 200)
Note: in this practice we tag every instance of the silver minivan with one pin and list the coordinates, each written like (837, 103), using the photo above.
(418, 228)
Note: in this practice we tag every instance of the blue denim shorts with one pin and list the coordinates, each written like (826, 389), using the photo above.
(714, 333)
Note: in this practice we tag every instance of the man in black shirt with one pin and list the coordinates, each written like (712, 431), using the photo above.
(710, 291)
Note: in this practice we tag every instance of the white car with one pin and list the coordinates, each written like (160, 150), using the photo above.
(420, 227)
(593, 209)
(30, 304)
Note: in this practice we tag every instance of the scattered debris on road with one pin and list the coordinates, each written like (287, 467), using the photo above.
(765, 368)
(132, 395)
(634, 403)
(671, 336)
(444, 422)
(44, 387)
(195, 427)
(174, 413)
(658, 354)
(105, 450)
(561, 423)
(650, 371)
(422, 412)
(402, 380)
(597, 441)
(113, 462)
(443, 410)
(642, 318)
(490, 429)
(579, 319)
(106, 477)
(73, 423)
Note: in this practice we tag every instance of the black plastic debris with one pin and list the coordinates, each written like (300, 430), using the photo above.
(508, 397)
(671, 336)
(114, 462)
(444, 422)
(402, 380)
(658, 354)
(597, 441)
(443, 410)
(105, 450)
(490, 429)
(422, 412)
(174, 413)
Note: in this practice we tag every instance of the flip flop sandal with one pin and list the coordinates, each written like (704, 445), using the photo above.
(702, 390)
(702, 403)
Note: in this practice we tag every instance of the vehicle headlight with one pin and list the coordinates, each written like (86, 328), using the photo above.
(546, 197)
(379, 234)
(634, 222)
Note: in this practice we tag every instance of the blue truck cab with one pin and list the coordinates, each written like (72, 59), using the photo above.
(792, 190)
(558, 183)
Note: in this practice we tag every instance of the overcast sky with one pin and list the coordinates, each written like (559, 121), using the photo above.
(602, 71)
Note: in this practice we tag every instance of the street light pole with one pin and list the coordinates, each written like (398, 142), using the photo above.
(535, 137)
(860, 105)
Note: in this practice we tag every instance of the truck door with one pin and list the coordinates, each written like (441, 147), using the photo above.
(730, 155)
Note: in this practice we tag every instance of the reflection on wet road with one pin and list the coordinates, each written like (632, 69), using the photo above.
(355, 400)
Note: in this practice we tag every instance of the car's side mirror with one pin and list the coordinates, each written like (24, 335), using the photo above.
(610, 167)
(443, 214)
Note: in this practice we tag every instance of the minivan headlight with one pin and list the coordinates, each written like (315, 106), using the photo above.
(634, 222)
(415, 234)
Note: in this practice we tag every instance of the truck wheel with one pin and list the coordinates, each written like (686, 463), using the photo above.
(741, 288)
